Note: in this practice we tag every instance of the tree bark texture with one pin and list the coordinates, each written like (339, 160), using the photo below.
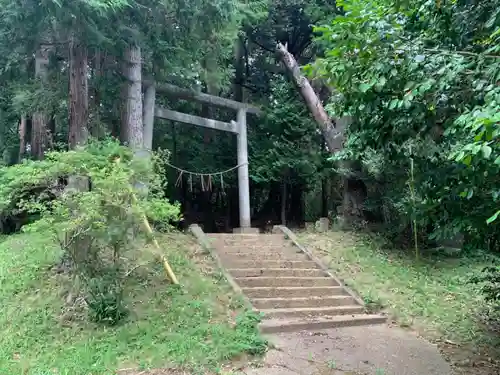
(284, 201)
(149, 116)
(78, 93)
(22, 137)
(211, 84)
(333, 136)
(239, 70)
(324, 197)
(95, 127)
(132, 126)
(39, 129)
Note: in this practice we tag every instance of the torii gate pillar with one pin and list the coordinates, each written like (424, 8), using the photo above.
(243, 180)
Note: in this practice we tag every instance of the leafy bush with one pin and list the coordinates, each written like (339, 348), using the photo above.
(105, 299)
(490, 288)
(419, 80)
(96, 217)
(246, 326)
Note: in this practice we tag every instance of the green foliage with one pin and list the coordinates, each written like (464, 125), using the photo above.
(490, 286)
(285, 145)
(420, 78)
(92, 226)
(193, 327)
(105, 298)
(420, 83)
(246, 325)
(176, 38)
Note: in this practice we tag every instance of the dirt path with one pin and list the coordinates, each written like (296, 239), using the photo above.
(375, 350)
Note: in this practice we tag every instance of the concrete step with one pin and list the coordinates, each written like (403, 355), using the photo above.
(284, 281)
(293, 325)
(268, 243)
(290, 264)
(297, 302)
(276, 272)
(303, 312)
(257, 248)
(245, 236)
(261, 256)
(259, 251)
(262, 240)
(293, 292)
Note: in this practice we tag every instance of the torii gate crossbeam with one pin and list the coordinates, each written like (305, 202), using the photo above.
(239, 128)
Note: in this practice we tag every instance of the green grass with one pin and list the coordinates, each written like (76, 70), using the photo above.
(198, 326)
(433, 295)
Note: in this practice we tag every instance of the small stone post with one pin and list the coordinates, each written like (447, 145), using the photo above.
(322, 225)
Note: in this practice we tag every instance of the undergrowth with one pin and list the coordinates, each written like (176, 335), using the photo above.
(435, 295)
(196, 326)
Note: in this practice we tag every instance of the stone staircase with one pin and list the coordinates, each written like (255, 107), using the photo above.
(285, 283)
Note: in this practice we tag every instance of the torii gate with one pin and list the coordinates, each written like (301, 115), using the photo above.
(239, 128)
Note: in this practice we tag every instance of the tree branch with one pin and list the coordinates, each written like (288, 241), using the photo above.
(262, 46)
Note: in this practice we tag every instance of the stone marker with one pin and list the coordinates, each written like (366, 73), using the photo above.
(322, 225)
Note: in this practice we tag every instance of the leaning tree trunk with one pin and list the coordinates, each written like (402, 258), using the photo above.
(333, 135)
(40, 121)
(332, 132)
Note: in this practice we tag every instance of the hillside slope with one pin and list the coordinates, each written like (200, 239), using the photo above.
(44, 327)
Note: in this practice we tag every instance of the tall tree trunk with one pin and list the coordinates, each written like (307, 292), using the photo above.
(324, 196)
(212, 87)
(297, 209)
(39, 129)
(284, 201)
(239, 70)
(79, 249)
(22, 137)
(96, 128)
(78, 93)
(132, 126)
(132, 129)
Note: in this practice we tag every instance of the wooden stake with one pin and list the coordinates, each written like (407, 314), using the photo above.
(170, 273)
(166, 265)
